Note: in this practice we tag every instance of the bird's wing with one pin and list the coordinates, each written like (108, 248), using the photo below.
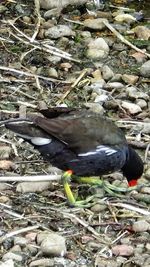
(83, 132)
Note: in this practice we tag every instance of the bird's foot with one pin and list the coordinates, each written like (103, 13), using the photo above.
(66, 178)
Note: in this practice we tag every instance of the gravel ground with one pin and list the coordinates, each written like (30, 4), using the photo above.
(74, 56)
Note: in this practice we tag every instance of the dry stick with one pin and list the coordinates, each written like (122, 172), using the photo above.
(43, 47)
(146, 152)
(13, 233)
(72, 86)
(107, 24)
(20, 72)
(37, 13)
(30, 178)
(130, 207)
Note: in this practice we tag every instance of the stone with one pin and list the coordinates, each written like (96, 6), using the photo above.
(142, 32)
(97, 49)
(58, 31)
(53, 244)
(122, 250)
(145, 69)
(141, 226)
(130, 79)
(107, 73)
(131, 107)
(95, 24)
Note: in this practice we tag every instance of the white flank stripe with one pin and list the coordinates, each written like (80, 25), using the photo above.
(107, 150)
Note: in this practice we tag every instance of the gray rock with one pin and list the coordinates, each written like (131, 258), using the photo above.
(12, 256)
(140, 226)
(147, 173)
(7, 263)
(131, 107)
(145, 69)
(54, 59)
(58, 31)
(51, 244)
(49, 4)
(141, 103)
(97, 49)
(42, 262)
(21, 241)
(85, 34)
(95, 24)
(52, 72)
(107, 73)
(133, 93)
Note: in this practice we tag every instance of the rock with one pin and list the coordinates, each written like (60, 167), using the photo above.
(97, 76)
(107, 73)
(95, 107)
(114, 85)
(142, 32)
(141, 226)
(54, 59)
(52, 72)
(122, 250)
(145, 190)
(125, 241)
(125, 18)
(13, 256)
(66, 66)
(147, 174)
(97, 49)
(130, 79)
(58, 31)
(21, 241)
(148, 246)
(101, 98)
(42, 262)
(133, 93)
(145, 69)
(25, 187)
(86, 34)
(131, 107)
(4, 199)
(141, 103)
(49, 4)
(5, 151)
(99, 207)
(95, 24)
(7, 263)
(116, 78)
(53, 244)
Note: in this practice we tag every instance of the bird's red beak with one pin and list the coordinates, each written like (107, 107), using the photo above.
(132, 183)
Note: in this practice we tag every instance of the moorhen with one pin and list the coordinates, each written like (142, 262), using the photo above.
(81, 143)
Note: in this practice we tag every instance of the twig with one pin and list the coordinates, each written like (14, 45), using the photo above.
(146, 152)
(13, 233)
(20, 72)
(37, 13)
(34, 178)
(121, 38)
(72, 86)
(130, 207)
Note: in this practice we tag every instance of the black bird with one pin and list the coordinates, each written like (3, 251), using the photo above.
(83, 142)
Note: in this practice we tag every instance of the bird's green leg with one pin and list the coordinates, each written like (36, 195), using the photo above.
(66, 177)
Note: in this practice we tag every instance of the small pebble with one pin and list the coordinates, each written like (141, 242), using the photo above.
(141, 226)
(122, 250)
(131, 107)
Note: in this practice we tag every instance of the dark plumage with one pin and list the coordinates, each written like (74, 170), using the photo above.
(82, 141)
